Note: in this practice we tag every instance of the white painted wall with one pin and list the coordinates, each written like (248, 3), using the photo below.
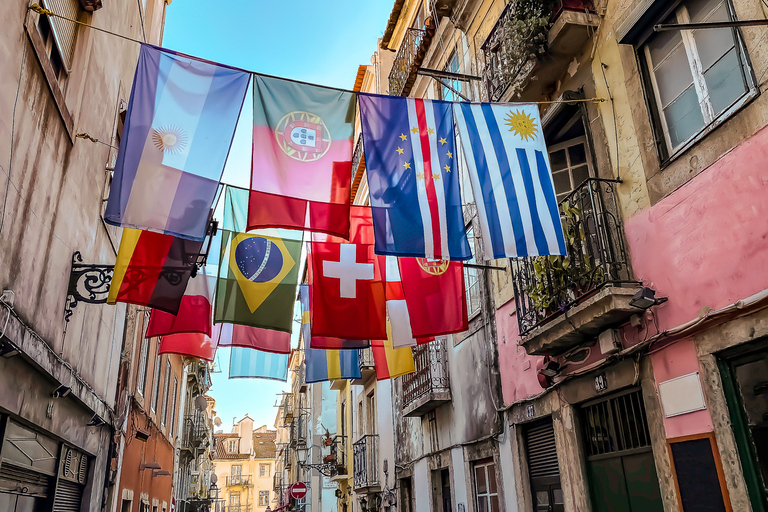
(421, 485)
(507, 461)
(461, 481)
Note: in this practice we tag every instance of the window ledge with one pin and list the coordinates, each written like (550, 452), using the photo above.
(707, 130)
(50, 77)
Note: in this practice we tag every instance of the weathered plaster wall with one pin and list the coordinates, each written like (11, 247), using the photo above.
(141, 481)
(518, 369)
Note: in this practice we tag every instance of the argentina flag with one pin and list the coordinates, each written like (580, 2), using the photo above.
(511, 179)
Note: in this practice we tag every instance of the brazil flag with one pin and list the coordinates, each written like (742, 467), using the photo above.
(257, 281)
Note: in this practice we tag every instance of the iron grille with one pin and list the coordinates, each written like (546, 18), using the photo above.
(546, 286)
(338, 455)
(431, 375)
(358, 157)
(365, 461)
(409, 56)
(617, 424)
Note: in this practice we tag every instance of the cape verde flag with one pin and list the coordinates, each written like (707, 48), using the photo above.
(410, 155)
(180, 124)
(511, 179)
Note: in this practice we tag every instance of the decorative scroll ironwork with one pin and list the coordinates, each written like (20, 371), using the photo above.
(431, 375)
(365, 461)
(408, 58)
(87, 283)
(545, 287)
(357, 157)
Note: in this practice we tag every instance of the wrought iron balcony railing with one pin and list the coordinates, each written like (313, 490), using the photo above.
(358, 156)
(337, 457)
(430, 384)
(241, 480)
(301, 376)
(298, 437)
(365, 358)
(287, 408)
(547, 286)
(365, 452)
(238, 508)
(194, 431)
(277, 482)
(409, 57)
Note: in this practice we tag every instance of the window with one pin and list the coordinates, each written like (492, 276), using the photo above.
(471, 280)
(142, 379)
(166, 389)
(156, 386)
(264, 470)
(485, 486)
(570, 165)
(59, 36)
(232, 446)
(371, 406)
(263, 498)
(421, 17)
(234, 499)
(452, 66)
(173, 404)
(696, 75)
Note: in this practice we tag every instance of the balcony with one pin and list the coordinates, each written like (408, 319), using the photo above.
(301, 377)
(239, 481)
(367, 366)
(238, 508)
(409, 57)
(194, 432)
(287, 406)
(277, 482)
(358, 165)
(430, 386)
(593, 285)
(298, 437)
(365, 463)
(508, 49)
(337, 458)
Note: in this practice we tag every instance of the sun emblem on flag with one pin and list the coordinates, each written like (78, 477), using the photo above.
(522, 124)
(303, 136)
(169, 139)
(433, 267)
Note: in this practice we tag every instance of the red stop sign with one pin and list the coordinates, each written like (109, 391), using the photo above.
(298, 490)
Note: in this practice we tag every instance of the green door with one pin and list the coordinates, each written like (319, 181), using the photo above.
(622, 474)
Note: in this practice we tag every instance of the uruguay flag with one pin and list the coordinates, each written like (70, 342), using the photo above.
(410, 156)
(180, 124)
(511, 179)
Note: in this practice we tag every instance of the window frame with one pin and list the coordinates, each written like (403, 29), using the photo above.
(565, 145)
(232, 446)
(664, 148)
(265, 501)
(262, 473)
(156, 381)
(173, 405)
(485, 464)
(472, 312)
(141, 378)
(166, 392)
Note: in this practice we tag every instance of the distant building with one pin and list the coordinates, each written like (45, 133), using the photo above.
(244, 463)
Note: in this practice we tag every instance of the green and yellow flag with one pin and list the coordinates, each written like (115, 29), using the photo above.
(258, 277)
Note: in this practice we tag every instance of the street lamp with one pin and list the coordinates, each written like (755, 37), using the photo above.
(301, 455)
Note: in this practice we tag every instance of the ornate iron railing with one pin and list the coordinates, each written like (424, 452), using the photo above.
(365, 358)
(194, 430)
(408, 54)
(337, 456)
(243, 480)
(298, 432)
(287, 408)
(365, 452)
(431, 373)
(547, 286)
(277, 482)
(238, 508)
(357, 156)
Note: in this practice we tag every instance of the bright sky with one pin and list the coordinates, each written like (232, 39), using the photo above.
(317, 41)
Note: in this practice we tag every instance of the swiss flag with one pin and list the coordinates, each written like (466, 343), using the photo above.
(347, 283)
(435, 296)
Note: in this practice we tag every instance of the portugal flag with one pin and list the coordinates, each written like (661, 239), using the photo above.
(152, 269)
(302, 156)
(257, 281)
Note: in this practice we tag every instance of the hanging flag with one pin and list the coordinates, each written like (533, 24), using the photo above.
(325, 365)
(435, 296)
(266, 340)
(323, 342)
(152, 269)
(258, 275)
(397, 309)
(195, 312)
(348, 297)
(255, 364)
(410, 156)
(511, 179)
(302, 156)
(391, 362)
(191, 344)
(179, 128)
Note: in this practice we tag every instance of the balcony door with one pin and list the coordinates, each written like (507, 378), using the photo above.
(237, 474)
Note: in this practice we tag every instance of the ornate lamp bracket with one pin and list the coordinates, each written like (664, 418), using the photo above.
(87, 283)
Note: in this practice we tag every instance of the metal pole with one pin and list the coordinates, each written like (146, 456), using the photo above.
(715, 24)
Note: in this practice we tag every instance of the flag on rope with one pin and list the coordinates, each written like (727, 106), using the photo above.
(255, 364)
(266, 340)
(179, 128)
(397, 309)
(410, 156)
(391, 362)
(191, 344)
(195, 312)
(325, 365)
(152, 269)
(511, 179)
(434, 294)
(319, 342)
(347, 285)
(302, 156)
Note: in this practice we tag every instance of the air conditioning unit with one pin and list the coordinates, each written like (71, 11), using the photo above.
(609, 342)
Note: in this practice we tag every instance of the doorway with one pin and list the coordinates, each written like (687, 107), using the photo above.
(543, 467)
(621, 470)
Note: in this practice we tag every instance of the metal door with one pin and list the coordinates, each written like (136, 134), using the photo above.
(543, 467)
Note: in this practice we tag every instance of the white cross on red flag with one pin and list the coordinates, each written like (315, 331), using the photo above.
(348, 288)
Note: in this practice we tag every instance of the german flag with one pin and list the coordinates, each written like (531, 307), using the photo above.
(152, 269)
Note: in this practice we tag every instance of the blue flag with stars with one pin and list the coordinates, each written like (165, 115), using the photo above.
(413, 178)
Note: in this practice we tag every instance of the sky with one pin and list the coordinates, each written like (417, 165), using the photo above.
(316, 41)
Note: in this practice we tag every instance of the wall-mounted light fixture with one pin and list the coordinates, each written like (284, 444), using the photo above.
(645, 298)
(62, 391)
